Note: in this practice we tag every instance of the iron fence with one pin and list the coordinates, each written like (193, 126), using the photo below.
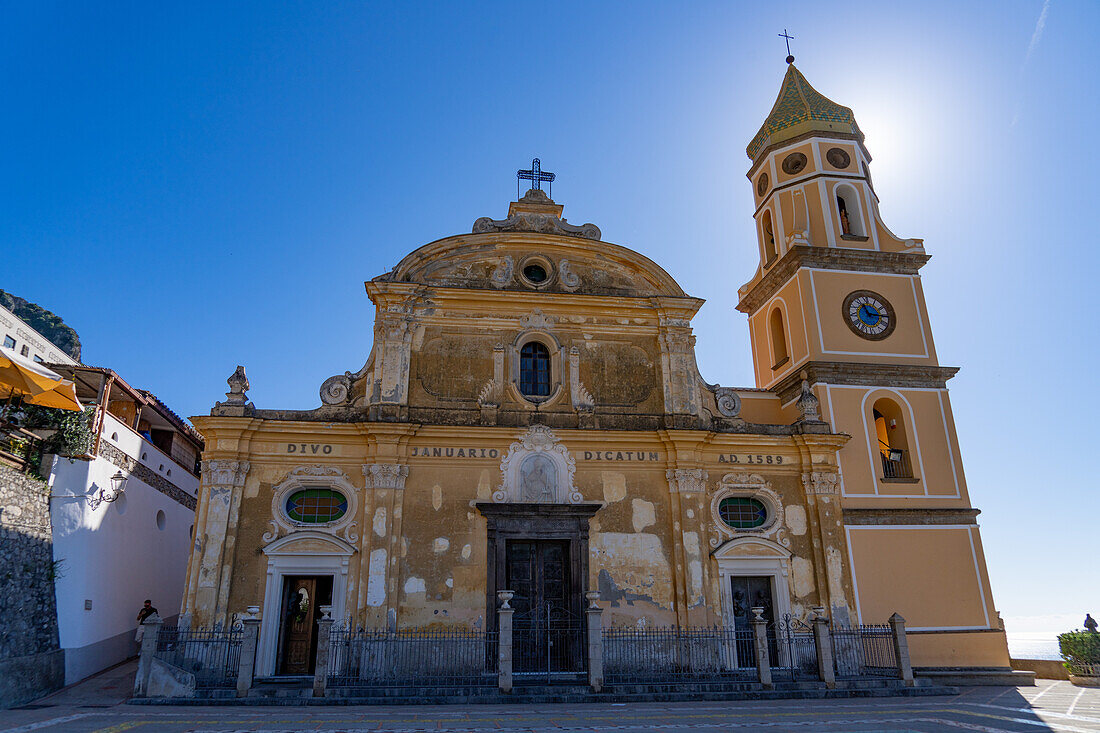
(672, 653)
(795, 652)
(213, 656)
(864, 651)
(549, 641)
(413, 658)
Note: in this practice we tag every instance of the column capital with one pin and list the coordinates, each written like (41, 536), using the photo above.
(224, 472)
(821, 482)
(385, 475)
(686, 480)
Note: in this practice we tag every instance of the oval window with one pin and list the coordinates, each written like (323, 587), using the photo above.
(535, 273)
(742, 512)
(316, 506)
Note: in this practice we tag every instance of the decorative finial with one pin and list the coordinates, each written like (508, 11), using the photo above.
(238, 387)
(790, 58)
(808, 402)
(236, 399)
(535, 175)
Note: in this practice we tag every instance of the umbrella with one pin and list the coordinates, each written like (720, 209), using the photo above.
(37, 384)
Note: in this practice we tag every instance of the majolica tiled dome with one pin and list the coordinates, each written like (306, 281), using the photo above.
(798, 109)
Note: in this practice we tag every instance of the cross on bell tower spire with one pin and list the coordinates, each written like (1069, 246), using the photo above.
(535, 175)
(788, 38)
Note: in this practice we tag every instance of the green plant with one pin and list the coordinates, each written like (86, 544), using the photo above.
(73, 436)
(56, 570)
(1079, 648)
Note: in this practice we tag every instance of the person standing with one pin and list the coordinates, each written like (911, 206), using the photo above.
(146, 611)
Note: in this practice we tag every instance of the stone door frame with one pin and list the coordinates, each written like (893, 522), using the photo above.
(317, 554)
(530, 521)
(754, 556)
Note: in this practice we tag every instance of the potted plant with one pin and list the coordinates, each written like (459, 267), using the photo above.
(1081, 654)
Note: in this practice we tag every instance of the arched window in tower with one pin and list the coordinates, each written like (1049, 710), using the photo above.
(779, 338)
(534, 370)
(847, 204)
(769, 237)
(893, 443)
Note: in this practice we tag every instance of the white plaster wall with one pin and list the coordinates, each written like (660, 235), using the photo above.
(115, 556)
(14, 326)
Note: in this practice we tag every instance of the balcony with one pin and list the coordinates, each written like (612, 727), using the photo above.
(896, 466)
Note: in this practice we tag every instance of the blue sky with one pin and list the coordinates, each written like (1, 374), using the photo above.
(203, 185)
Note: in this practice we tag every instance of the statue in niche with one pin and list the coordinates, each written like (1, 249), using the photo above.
(538, 478)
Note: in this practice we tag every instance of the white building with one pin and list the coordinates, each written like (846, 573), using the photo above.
(118, 553)
(25, 341)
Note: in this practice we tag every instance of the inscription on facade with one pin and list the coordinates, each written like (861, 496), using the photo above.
(621, 455)
(438, 452)
(588, 455)
(750, 458)
(309, 448)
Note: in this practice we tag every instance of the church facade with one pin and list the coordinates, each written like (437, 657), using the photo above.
(531, 418)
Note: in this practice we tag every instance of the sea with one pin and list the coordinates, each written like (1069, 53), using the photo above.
(1033, 645)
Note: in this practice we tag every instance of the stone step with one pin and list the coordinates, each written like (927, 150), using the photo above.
(496, 698)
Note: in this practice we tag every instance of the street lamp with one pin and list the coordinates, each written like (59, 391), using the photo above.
(118, 485)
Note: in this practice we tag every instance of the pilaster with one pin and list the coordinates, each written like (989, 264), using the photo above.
(386, 482)
(222, 483)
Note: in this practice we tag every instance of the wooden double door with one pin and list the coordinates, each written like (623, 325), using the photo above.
(303, 597)
(748, 591)
(548, 631)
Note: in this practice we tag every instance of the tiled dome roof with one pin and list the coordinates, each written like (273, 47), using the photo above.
(800, 108)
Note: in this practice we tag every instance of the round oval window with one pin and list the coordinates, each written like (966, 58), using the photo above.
(316, 506)
(535, 273)
(742, 512)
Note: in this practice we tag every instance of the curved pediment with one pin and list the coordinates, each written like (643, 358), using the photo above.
(309, 543)
(758, 548)
(496, 255)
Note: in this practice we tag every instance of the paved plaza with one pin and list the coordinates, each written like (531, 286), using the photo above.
(98, 705)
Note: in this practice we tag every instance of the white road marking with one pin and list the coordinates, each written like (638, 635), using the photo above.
(1033, 711)
(1074, 704)
(46, 723)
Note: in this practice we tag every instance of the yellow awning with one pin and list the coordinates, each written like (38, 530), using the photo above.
(37, 384)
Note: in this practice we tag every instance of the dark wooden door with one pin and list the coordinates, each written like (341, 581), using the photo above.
(548, 633)
(748, 591)
(299, 605)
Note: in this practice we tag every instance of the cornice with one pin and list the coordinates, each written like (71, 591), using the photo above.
(790, 142)
(828, 258)
(861, 373)
(909, 516)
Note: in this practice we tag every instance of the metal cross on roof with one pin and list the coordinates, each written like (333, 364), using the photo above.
(535, 175)
(790, 58)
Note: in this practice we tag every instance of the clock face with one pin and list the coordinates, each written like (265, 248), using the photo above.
(869, 314)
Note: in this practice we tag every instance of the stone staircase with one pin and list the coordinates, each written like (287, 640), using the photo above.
(299, 691)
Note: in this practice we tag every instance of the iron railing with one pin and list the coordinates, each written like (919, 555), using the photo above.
(795, 652)
(1084, 669)
(895, 464)
(412, 658)
(864, 651)
(213, 656)
(672, 653)
(547, 641)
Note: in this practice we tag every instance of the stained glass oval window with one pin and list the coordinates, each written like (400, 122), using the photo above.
(316, 506)
(742, 512)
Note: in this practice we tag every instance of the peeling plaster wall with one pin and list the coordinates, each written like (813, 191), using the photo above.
(650, 551)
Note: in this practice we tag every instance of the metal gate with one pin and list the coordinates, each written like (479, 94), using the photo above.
(796, 648)
(547, 641)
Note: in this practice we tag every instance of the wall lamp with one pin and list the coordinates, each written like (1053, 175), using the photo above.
(118, 485)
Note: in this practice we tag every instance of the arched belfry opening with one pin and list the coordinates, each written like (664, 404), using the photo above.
(768, 232)
(780, 354)
(892, 440)
(848, 212)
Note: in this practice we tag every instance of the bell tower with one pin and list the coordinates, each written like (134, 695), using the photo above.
(837, 299)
